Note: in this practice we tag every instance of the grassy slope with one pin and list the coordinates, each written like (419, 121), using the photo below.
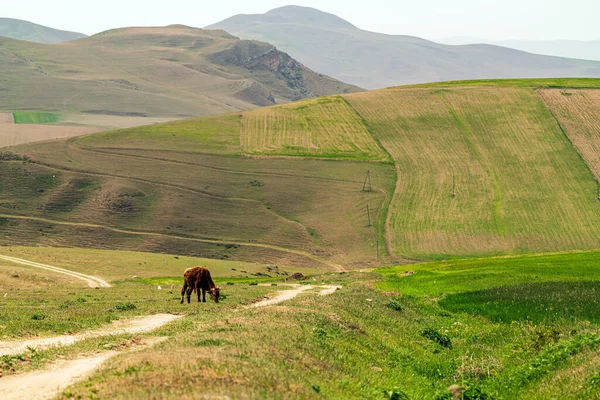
(325, 127)
(214, 134)
(520, 185)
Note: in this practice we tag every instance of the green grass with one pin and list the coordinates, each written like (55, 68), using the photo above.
(215, 134)
(25, 117)
(480, 274)
(545, 302)
(530, 83)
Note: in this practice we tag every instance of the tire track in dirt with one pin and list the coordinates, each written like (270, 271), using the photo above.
(132, 326)
(92, 281)
(290, 294)
(50, 382)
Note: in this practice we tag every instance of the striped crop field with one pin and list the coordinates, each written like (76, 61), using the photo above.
(326, 127)
(34, 117)
(578, 112)
(480, 171)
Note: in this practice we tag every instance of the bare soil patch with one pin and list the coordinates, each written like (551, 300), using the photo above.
(7, 118)
(14, 134)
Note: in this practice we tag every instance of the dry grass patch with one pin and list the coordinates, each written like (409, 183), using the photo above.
(324, 127)
(578, 111)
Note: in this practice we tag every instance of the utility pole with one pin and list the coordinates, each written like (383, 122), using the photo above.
(367, 184)
(453, 194)
(598, 194)
(369, 215)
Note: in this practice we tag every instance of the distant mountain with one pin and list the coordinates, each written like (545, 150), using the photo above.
(584, 50)
(25, 30)
(330, 45)
(168, 71)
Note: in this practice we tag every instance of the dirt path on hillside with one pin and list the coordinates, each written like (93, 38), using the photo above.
(290, 294)
(132, 326)
(50, 382)
(92, 281)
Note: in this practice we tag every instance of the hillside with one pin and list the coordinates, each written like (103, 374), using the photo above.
(30, 32)
(174, 71)
(330, 45)
(457, 169)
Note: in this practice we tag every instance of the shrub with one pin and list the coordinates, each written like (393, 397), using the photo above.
(38, 316)
(395, 394)
(435, 336)
(125, 306)
(394, 304)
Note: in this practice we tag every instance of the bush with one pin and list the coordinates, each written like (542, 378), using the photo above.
(394, 304)
(38, 316)
(395, 394)
(125, 306)
(435, 336)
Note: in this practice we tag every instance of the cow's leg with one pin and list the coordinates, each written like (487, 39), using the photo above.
(203, 296)
(183, 290)
(198, 290)
(189, 293)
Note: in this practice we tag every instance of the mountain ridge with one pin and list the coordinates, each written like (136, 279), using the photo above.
(374, 60)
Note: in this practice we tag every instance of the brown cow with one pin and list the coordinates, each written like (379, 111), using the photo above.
(199, 279)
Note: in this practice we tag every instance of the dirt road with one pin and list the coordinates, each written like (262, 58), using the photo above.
(132, 326)
(92, 281)
(48, 383)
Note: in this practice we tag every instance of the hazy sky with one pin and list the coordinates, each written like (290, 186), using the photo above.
(489, 19)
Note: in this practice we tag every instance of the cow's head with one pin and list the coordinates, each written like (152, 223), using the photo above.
(215, 293)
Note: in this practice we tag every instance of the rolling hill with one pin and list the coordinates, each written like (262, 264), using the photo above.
(174, 71)
(28, 31)
(328, 44)
(458, 169)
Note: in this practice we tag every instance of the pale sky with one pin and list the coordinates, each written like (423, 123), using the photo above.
(489, 19)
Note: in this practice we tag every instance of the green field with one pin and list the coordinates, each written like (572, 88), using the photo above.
(519, 185)
(23, 117)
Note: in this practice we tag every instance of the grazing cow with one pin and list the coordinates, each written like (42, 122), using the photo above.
(199, 279)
